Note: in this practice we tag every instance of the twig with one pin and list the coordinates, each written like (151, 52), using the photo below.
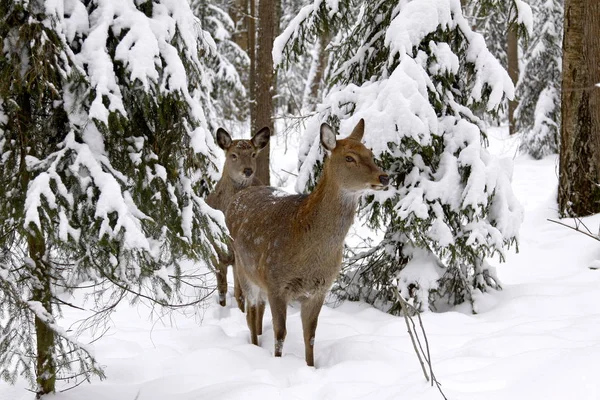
(152, 300)
(428, 356)
(291, 173)
(576, 229)
(410, 332)
(415, 340)
(67, 303)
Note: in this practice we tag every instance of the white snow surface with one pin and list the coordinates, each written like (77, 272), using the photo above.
(539, 338)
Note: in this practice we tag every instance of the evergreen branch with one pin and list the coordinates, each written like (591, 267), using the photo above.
(74, 386)
(151, 299)
(57, 300)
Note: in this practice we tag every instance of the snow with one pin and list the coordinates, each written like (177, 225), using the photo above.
(544, 108)
(306, 16)
(417, 19)
(292, 30)
(539, 338)
(525, 15)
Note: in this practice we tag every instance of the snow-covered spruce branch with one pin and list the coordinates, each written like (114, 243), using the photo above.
(75, 351)
(137, 291)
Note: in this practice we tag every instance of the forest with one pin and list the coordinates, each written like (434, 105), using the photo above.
(408, 190)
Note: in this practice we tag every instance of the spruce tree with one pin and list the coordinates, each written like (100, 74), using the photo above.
(538, 114)
(105, 148)
(419, 76)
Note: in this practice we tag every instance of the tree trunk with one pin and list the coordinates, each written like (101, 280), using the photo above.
(42, 293)
(45, 366)
(579, 170)
(263, 107)
(276, 32)
(316, 76)
(512, 56)
(252, 72)
(238, 13)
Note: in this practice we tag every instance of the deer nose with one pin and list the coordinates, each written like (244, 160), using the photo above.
(248, 172)
(384, 179)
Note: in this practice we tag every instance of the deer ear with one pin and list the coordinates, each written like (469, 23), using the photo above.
(359, 131)
(327, 137)
(223, 139)
(261, 138)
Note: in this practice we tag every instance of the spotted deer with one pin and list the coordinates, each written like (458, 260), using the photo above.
(238, 174)
(289, 247)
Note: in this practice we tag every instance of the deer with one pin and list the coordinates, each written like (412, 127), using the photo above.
(288, 247)
(238, 174)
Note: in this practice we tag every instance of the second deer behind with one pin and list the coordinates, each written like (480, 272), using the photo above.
(238, 173)
(289, 247)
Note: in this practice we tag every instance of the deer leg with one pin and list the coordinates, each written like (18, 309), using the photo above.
(259, 317)
(251, 312)
(310, 315)
(279, 313)
(222, 282)
(238, 293)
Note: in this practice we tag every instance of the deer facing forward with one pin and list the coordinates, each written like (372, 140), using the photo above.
(238, 174)
(289, 247)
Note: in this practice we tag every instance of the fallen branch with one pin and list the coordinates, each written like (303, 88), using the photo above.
(578, 223)
(414, 337)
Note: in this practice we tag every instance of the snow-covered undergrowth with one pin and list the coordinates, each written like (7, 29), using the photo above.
(539, 338)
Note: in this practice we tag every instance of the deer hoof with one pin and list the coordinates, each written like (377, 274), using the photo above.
(278, 348)
(222, 301)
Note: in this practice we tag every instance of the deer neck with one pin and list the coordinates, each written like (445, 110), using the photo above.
(227, 183)
(329, 209)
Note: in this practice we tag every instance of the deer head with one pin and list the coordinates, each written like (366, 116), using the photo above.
(351, 164)
(240, 155)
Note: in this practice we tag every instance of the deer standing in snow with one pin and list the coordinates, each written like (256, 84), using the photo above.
(289, 247)
(238, 174)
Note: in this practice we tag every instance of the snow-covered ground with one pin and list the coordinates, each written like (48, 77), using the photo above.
(539, 338)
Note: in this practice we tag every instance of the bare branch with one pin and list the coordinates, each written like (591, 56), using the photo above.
(410, 332)
(578, 222)
(415, 339)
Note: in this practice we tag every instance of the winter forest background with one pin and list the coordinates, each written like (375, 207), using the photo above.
(485, 113)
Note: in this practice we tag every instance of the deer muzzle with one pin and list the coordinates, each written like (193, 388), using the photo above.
(384, 180)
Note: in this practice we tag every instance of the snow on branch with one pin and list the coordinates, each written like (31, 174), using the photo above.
(304, 24)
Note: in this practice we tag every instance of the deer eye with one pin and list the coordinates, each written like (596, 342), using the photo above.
(234, 157)
(350, 159)
(253, 155)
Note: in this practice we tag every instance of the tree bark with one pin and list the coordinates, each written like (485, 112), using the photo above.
(311, 98)
(263, 83)
(45, 366)
(42, 293)
(579, 170)
(238, 13)
(251, 18)
(512, 55)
